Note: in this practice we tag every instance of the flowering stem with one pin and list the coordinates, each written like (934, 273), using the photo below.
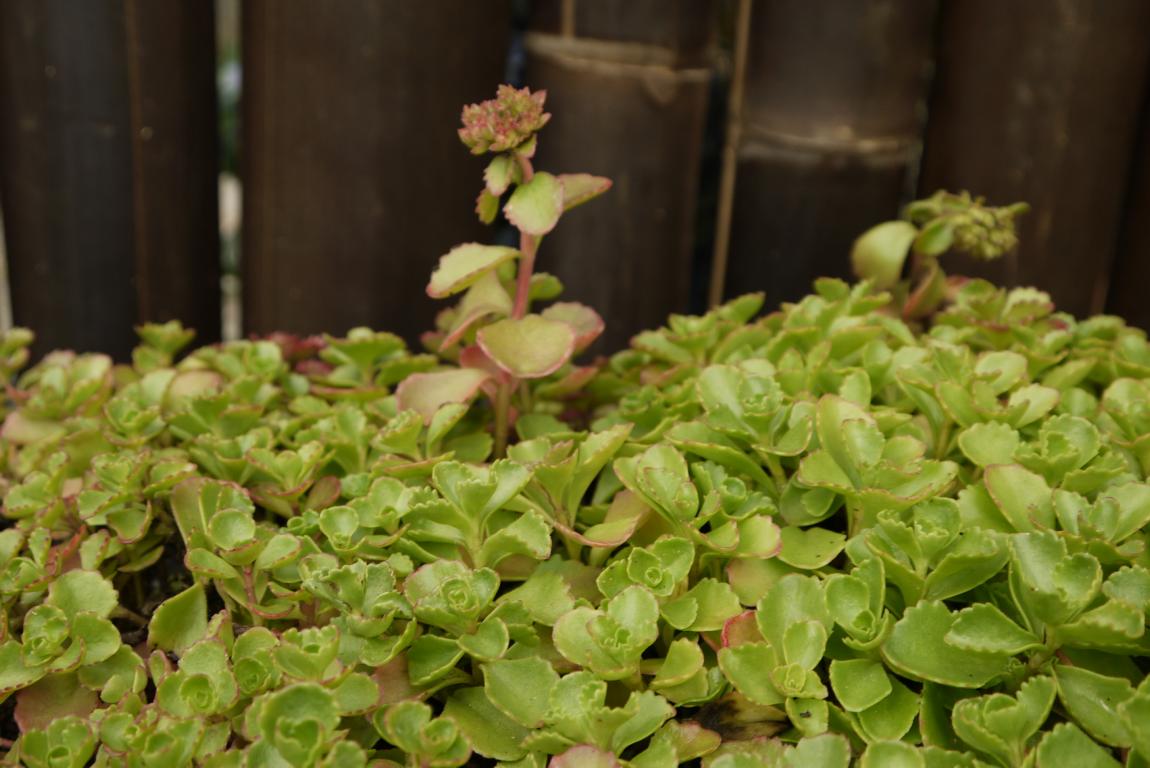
(527, 247)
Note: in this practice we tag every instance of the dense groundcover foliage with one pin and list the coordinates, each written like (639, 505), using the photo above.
(799, 540)
(901, 523)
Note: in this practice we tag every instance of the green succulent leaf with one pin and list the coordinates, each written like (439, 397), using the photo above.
(535, 206)
(1023, 497)
(984, 628)
(1093, 701)
(859, 683)
(1001, 726)
(879, 254)
(918, 647)
(1065, 746)
(578, 188)
(529, 347)
(426, 393)
(83, 591)
(180, 621)
(486, 728)
(465, 264)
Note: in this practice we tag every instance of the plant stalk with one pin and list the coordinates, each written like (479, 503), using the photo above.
(502, 417)
(528, 244)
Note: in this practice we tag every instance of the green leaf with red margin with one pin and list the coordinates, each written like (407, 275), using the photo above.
(578, 188)
(529, 347)
(426, 393)
(53, 697)
(464, 264)
(584, 321)
(485, 298)
(535, 206)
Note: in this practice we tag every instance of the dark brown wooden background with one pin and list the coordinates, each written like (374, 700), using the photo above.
(355, 183)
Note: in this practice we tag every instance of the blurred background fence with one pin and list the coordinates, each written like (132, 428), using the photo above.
(117, 118)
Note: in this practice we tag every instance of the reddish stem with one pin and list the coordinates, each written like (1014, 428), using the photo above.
(502, 414)
(527, 246)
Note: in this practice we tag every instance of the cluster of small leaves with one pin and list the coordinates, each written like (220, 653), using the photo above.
(928, 230)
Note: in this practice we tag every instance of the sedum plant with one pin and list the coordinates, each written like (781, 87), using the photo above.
(498, 341)
(869, 528)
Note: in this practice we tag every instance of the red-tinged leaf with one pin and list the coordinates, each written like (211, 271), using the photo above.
(535, 206)
(432, 341)
(486, 298)
(584, 321)
(623, 518)
(570, 384)
(394, 681)
(18, 429)
(741, 629)
(186, 385)
(464, 265)
(578, 188)
(324, 493)
(585, 756)
(53, 697)
(926, 296)
(529, 347)
(474, 357)
(425, 393)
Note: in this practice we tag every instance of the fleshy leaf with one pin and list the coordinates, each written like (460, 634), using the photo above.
(499, 174)
(891, 717)
(859, 683)
(535, 206)
(578, 188)
(917, 647)
(486, 297)
(521, 688)
(1023, 497)
(584, 321)
(490, 732)
(891, 754)
(1093, 700)
(988, 443)
(585, 756)
(464, 264)
(810, 548)
(1068, 747)
(426, 393)
(83, 591)
(879, 254)
(180, 620)
(984, 627)
(530, 347)
(53, 697)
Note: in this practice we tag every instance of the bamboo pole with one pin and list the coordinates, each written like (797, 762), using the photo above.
(730, 155)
